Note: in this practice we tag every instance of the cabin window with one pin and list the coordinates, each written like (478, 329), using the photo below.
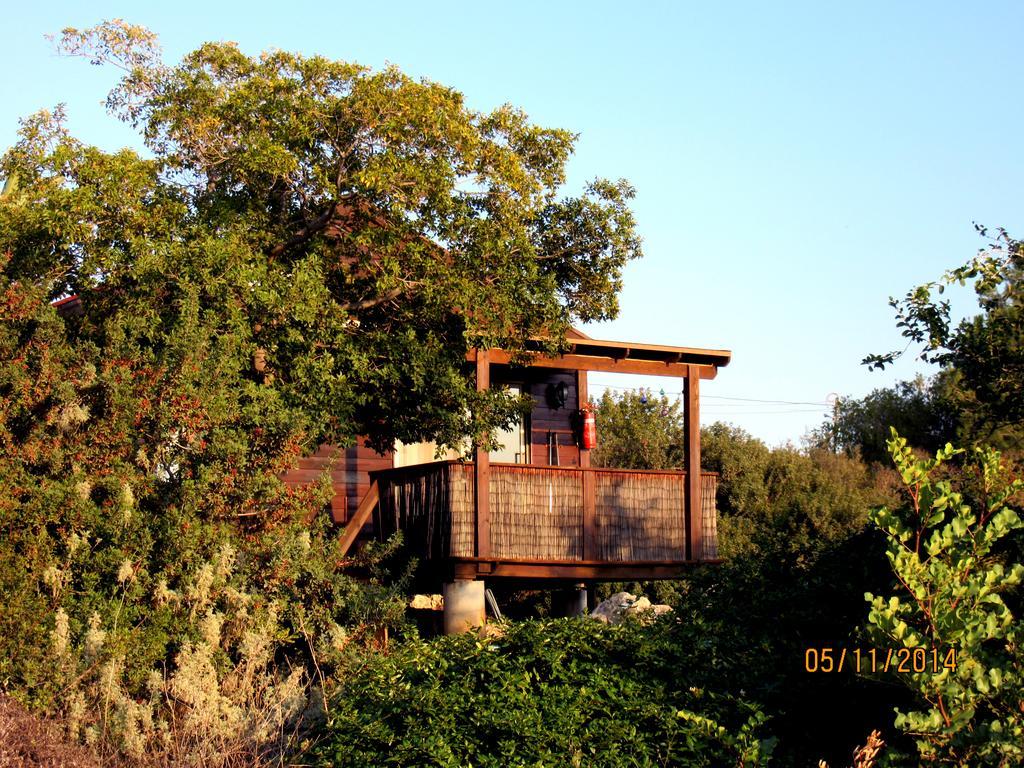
(512, 441)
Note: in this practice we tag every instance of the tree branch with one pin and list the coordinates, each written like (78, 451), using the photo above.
(369, 303)
(318, 224)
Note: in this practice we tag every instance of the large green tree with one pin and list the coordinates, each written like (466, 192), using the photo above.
(638, 430)
(983, 355)
(305, 253)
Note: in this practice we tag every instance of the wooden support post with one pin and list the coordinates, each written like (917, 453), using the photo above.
(588, 479)
(691, 418)
(482, 469)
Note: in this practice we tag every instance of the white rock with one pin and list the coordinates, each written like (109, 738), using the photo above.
(623, 604)
(642, 604)
(610, 611)
(427, 602)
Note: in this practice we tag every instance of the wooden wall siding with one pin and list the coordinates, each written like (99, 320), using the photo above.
(355, 465)
(544, 419)
(349, 468)
(536, 513)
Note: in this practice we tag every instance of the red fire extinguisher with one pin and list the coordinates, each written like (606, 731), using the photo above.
(589, 428)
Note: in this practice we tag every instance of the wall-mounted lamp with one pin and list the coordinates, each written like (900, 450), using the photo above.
(557, 395)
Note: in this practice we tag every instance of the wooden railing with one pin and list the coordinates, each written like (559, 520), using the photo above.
(552, 514)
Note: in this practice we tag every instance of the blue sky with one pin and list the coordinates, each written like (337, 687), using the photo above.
(796, 164)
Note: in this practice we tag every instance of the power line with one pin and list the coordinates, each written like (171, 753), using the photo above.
(727, 408)
(759, 403)
(755, 413)
(773, 402)
(823, 404)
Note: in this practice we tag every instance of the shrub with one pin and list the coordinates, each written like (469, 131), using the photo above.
(564, 692)
(801, 500)
(950, 612)
(227, 663)
(219, 699)
(745, 626)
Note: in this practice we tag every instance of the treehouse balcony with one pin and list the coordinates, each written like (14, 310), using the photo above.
(534, 508)
(544, 522)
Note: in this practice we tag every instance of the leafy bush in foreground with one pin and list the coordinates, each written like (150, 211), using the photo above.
(957, 640)
(555, 693)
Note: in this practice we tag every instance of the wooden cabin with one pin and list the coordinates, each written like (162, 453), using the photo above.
(537, 509)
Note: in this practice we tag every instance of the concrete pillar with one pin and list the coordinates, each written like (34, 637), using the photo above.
(571, 601)
(463, 606)
(578, 604)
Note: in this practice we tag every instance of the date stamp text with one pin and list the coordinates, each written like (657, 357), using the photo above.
(901, 660)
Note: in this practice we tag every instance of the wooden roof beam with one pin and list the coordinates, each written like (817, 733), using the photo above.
(609, 364)
(662, 352)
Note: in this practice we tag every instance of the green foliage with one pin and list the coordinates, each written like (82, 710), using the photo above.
(944, 554)
(984, 354)
(355, 232)
(742, 629)
(798, 558)
(566, 692)
(306, 253)
(90, 485)
(637, 430)
(802, 500)
(921, 411)
(745, 626)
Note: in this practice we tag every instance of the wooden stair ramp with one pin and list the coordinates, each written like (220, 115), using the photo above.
(360, 518)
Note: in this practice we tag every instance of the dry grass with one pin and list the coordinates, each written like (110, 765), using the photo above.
(29, 741)
(222, 702)
(866, 756)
